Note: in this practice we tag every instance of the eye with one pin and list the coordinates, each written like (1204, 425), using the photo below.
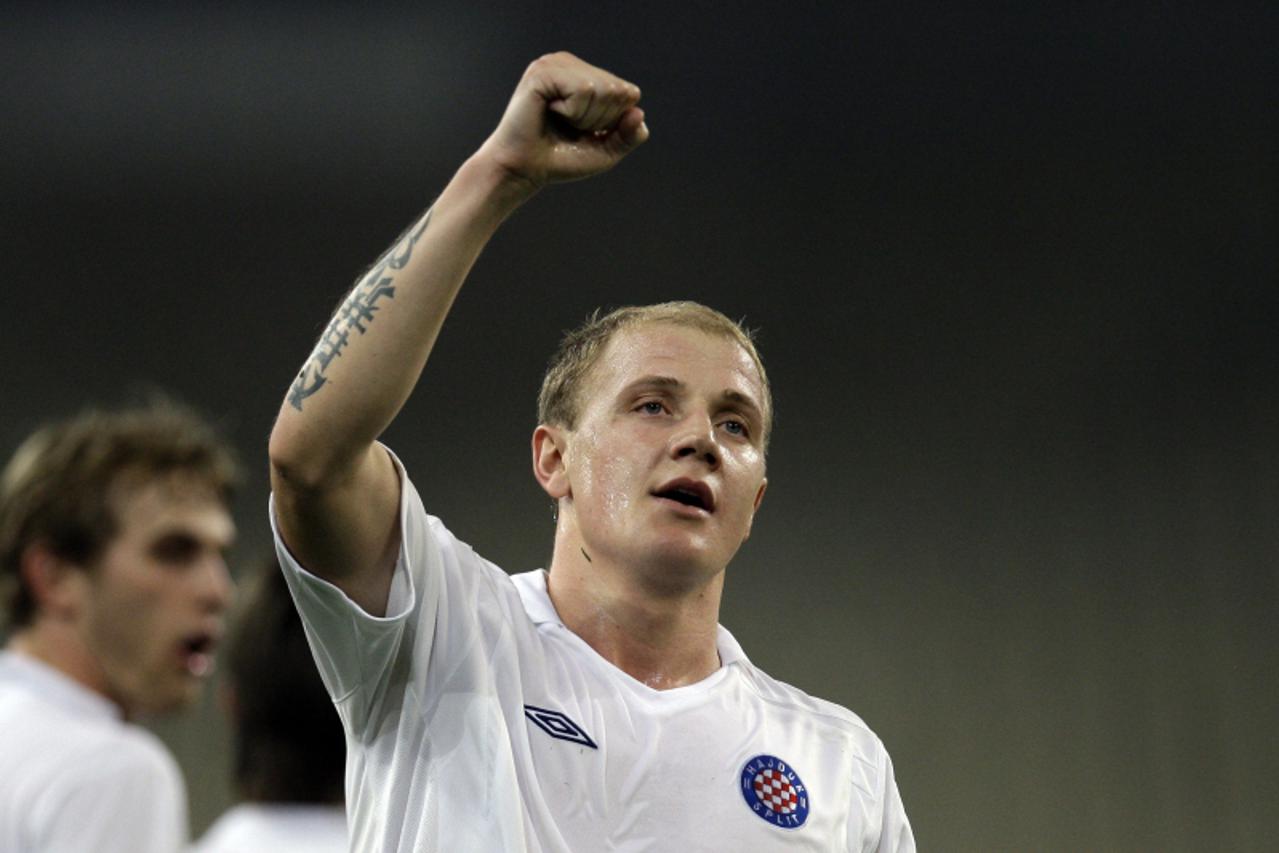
(735, 427)
(176, 549)
(651, 407)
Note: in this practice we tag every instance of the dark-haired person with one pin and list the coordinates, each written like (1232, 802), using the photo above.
(289, 750)
(113, 529)
(598, 705)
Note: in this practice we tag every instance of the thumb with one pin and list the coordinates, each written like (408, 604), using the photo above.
(630, 133)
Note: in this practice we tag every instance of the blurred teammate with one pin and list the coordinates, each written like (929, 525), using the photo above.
(289, 751)
(597, 706)
(113, 528)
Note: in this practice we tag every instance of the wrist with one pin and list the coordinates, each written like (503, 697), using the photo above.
(501, 187)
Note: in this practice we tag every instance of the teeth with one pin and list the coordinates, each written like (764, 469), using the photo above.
(685, 496)
(199, 664)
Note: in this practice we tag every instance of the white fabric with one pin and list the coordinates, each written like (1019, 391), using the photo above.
(74, 776)
(442, 756)
(276, 828)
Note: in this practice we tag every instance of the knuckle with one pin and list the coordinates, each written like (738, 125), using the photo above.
(542, 62)
(556, 57)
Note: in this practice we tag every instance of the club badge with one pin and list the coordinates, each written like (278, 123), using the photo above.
(773, 791)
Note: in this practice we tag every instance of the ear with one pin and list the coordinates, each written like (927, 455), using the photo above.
(759, 499)
(549, 467)
(57, 586)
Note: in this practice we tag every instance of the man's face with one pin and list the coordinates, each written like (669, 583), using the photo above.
(153, 604)
(665, 468)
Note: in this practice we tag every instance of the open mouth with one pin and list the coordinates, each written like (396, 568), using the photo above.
(689, 493)
(196, 652)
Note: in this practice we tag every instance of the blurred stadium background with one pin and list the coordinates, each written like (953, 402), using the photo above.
(1015, 273)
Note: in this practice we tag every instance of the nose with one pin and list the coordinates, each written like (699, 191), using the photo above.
(696, 437)
(216, 587)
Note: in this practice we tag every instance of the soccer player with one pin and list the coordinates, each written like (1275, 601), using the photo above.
(289, 750)
(113, 528)
(598, 705)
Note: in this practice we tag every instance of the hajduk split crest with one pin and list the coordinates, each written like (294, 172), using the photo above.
(773, 791)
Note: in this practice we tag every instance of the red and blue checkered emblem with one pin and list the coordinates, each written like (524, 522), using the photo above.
(773, 791)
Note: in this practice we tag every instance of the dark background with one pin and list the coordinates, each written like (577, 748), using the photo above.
(1014, 270)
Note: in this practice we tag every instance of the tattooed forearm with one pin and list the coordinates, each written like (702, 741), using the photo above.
(355, 314)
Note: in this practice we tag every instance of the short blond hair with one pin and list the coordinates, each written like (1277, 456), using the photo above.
(559, 403)
(58, 486)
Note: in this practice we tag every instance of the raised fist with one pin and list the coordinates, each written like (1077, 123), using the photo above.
(567, 120)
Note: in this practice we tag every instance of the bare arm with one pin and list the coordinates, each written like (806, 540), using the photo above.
(336, 491)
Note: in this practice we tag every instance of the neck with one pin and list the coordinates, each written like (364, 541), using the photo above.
(661, 636)
(58, 646)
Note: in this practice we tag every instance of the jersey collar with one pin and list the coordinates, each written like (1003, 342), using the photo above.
(55, 687)
(538, 606)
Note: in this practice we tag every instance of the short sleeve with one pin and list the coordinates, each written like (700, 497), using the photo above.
(895, 834)
(440, 611)
(352, 648)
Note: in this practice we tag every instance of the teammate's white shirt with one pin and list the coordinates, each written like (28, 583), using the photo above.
(74, 776)
(276, 828)
(476, 721)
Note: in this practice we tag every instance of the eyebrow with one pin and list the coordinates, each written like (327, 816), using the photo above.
(745, 402)
(652, 382)
(180, 532)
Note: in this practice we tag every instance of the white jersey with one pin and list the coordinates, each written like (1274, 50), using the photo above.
(276, 828)
(476, 721)
(74, 776)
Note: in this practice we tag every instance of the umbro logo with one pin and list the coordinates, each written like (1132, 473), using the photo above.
(558, 726)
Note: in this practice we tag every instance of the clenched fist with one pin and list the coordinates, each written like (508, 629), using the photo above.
(567, 120)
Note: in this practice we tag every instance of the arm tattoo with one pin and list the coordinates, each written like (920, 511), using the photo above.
(355, 313)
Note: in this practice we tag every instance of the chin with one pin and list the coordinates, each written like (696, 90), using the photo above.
(169, 701)
(679, 567)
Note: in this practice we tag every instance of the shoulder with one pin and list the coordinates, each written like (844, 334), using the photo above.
(822, 718)
(66, 744)
(136, 753)
(122, 760)
(118, 780)
(832, 738)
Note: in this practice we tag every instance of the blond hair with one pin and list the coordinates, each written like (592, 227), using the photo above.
(559, 402)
